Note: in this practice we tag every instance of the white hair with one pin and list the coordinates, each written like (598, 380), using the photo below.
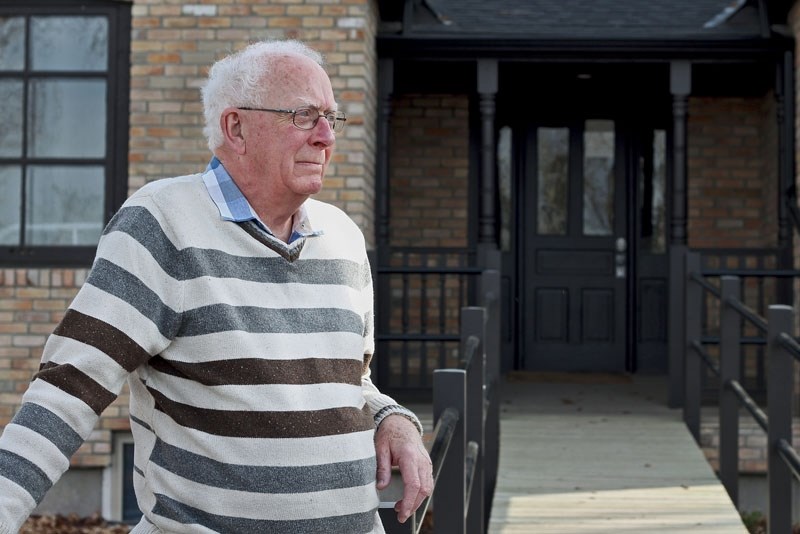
(237, 80)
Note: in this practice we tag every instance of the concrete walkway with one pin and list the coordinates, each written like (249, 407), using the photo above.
(602, 454)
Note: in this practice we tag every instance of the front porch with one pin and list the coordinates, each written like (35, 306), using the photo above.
(600, 453)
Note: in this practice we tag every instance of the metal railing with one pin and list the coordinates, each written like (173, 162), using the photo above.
(783, 461)
(420, 293)
(465, 441)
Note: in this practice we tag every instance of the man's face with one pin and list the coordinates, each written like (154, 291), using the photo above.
(292, 161)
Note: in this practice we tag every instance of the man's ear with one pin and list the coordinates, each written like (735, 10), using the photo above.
(230, 122)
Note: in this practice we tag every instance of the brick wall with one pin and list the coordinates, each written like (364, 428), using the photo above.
(428, 183)
(32, 301)
(752, 443)
(173, 44)
(732, 203)
(732, 147)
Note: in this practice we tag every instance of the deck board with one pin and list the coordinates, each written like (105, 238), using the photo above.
(602, 457)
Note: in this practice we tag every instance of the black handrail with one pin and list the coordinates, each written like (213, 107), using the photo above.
(466, 432)
(783, 461)
(443, 434)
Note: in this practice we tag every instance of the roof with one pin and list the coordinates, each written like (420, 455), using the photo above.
(582, 19)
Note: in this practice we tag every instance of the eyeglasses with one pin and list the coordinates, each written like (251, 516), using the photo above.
(307, 118)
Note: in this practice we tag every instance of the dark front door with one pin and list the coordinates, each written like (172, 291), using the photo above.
(574, 242)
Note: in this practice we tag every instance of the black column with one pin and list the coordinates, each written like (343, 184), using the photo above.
(487, 216)
(680, 87)
(385, 89)
(786, 190)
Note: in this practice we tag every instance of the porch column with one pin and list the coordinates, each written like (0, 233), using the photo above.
(680, 87)
(487, 217)
(385, 89)
(785, 97)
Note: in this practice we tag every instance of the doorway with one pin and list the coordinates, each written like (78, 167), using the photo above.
(591, 255)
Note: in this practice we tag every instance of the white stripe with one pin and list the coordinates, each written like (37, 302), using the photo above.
(115, 311)
(15, 503)
(265, 506)
(205, 291)
(96, 364)
(279, 452)
(269, 397)
(71, 410)
(121, 249)
(36, 448)
(283, 346)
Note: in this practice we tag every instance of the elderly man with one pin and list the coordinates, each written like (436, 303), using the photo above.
(239, 311)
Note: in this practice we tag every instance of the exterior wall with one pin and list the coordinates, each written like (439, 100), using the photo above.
(173, 44)
(733, 192)
(429, 175)
(428, 194)
(733, 181)
(732, 172)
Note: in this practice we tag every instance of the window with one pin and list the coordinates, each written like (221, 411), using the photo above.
(653, 186)
(118, 494)
(64, 93)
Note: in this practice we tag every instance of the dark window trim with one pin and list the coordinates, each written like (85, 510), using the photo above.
(118, 121)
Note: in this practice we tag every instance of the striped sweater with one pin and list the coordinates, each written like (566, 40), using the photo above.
(247, 359)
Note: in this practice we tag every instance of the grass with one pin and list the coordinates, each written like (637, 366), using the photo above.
(756, 523)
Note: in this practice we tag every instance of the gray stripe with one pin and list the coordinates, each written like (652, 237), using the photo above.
(118, 282)
(224, 317)
(25, 474)
(263, 479)
(44, 422)
(140, 423)
(350, 524)
(189, 263)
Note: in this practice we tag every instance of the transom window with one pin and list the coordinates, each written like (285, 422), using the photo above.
(64, 141)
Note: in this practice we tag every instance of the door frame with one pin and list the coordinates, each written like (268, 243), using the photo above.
(629, 134)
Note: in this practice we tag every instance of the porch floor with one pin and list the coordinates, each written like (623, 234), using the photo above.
(601, 454)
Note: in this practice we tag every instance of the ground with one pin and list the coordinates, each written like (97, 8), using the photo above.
(58, 524)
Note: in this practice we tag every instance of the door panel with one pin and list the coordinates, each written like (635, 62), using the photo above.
(574, 248)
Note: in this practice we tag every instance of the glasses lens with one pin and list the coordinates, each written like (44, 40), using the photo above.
(305, 118)
(336, 120)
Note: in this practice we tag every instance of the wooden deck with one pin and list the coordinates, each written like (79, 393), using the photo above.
(601, 454)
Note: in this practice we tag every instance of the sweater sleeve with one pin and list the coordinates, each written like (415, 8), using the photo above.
(121, 316)
(380, 405)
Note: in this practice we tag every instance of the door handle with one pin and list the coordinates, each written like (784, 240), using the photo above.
(621, 245)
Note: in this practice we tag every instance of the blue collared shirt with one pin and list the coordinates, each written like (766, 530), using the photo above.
(233, 206)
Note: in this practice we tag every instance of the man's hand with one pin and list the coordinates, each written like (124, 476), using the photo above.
(397, 442)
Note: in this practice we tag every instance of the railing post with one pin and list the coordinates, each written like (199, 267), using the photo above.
(490, 293)
(676, 334)
(473, 323)
(780, 365)
(450, 390)
(729, 357)
(692, 367)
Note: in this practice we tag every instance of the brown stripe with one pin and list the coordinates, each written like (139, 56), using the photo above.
(253, 371)
(104, 337)
(71, 380)
(253, 424)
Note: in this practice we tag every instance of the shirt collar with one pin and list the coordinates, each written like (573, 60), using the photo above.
(233, 206)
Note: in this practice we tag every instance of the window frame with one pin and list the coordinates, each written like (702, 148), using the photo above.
(115, 161)
(116, 493)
